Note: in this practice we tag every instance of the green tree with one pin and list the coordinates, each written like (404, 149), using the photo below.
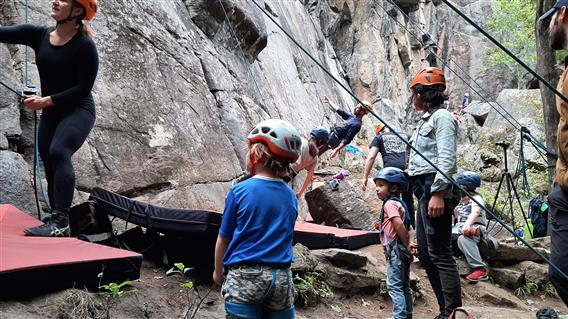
(512, 23)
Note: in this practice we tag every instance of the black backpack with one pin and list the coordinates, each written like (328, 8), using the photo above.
(539, 216)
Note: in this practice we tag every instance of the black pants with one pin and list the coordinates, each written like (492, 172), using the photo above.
(60, 135)
(558, 203)
(435, 247)
(408, 199)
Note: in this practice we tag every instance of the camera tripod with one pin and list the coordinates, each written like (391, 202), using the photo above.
(511, 188)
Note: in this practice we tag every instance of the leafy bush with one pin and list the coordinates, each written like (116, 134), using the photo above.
(311, 288)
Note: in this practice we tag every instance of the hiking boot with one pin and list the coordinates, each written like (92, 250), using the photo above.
(56, 226)
(478, 274)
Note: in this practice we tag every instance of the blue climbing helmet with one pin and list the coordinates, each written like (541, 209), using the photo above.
(393, 175)
(320, 134)
(470, 180)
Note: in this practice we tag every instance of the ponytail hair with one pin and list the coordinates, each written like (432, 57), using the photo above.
(84, 29)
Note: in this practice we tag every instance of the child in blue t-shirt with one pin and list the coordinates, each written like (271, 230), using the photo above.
(253, 252)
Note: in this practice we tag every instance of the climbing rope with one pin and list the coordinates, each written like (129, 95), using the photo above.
(387, 125)
(509, 53)
(234, 35)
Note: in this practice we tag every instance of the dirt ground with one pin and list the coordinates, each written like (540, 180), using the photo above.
(156, 295)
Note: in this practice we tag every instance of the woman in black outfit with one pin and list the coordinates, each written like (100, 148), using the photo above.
(67, 62)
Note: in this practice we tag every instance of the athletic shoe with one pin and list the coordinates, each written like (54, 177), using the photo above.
(56, 226)
(48, 229)
(478, 274)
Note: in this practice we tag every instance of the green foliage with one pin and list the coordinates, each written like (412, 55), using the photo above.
(550, 291)
(512, 23)
(116, 290)
(113, 289)
(311, 287)
(179, 268)
(336, 308)
(529, 288)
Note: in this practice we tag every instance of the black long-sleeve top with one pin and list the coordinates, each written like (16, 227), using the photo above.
(67, 72)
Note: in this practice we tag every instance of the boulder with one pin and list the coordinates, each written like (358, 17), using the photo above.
(509, 278)
(479, 111)
(486, 292)
(3, 142)
(469, 129)
(342, 258)
(344, 207)
(511, 252)
(16, 188)
(534, 272)
(304, 260)
(348, 279)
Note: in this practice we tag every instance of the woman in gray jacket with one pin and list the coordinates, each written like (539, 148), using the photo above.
(435, 138)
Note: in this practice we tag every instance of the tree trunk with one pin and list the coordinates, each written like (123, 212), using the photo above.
(545, 66)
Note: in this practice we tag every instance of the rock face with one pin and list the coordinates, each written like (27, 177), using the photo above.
(344, 207)
(181, 83)
(16, 188)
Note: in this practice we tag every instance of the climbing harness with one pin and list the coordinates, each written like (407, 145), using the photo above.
(234, 35)
(387, 125)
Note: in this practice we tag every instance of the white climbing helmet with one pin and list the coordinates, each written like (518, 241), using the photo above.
(280, 136)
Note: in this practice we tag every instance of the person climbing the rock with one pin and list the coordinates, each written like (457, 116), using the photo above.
(67, 62)
(435, 137)
(394, 153)
(558, 197)
(395, 226)
(253, 252)
(342, 135)
(470, 226)
(309, 157)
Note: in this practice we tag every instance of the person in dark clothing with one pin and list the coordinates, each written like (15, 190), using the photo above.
(394, 153)
(435, 138)
(557, 19)
(342, 135)
(67, 62)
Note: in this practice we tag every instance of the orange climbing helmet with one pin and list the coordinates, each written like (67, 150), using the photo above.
(90, 7)
(430, 76)
(369, 107)
(379, 128)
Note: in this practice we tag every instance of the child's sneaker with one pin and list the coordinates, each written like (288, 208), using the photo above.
(478, 274)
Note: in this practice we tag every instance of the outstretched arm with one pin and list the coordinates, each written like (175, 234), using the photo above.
(334, 107)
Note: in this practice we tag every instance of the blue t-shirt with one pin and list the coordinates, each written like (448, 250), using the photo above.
(346, 132)
(259, 218)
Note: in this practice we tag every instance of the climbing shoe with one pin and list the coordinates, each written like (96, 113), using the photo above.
(56, 226)
(478, 274)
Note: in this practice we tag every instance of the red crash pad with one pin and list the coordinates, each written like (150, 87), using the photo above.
(46, 264)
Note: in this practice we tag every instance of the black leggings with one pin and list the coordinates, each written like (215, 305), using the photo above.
(60, 136)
